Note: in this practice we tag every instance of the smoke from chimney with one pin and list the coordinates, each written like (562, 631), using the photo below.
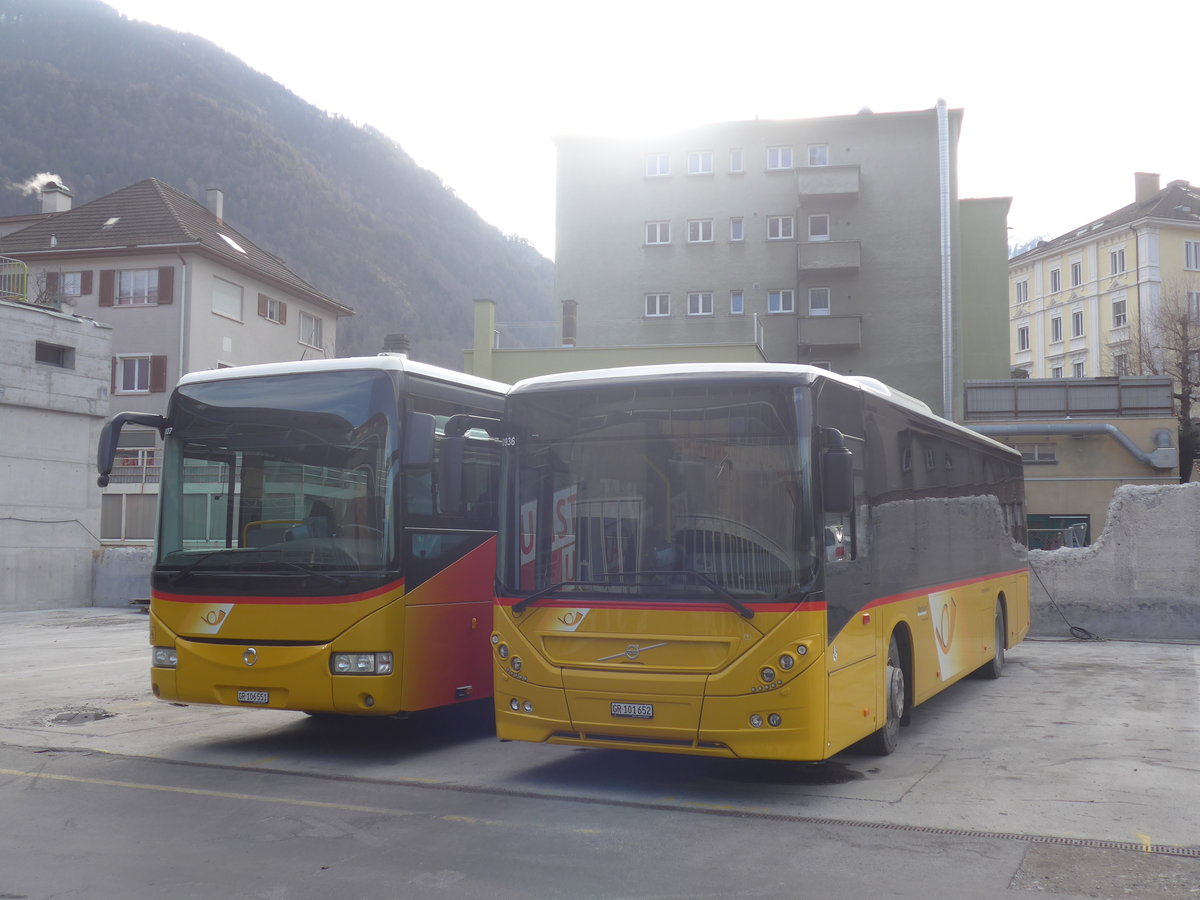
(33, 185)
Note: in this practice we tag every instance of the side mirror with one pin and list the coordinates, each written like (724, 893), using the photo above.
(110, 436)
(419, 429)
(837, 473)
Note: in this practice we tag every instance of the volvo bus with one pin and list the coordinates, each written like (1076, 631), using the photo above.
(308, 555)
(760, 561)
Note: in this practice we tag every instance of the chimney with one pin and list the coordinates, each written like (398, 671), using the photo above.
(396, 343)
(569, 320)
(485, 337)
(216, 203)
(1145, 186)
(56, 197)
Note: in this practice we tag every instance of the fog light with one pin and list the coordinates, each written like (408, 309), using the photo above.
(774, 720)
(514, 704)
(767, 674)
(516, 663)
(502, 651)
(787, 661)
(756, 721)
(165, 657)
(528, 707)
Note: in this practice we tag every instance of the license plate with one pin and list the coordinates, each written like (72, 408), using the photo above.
(633, 710)
(253, 697)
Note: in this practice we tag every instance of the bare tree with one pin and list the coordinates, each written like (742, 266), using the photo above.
(47, 292)
(1165, 340)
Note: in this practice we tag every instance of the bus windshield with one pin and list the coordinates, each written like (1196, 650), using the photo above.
(681, 490)
(278, 476)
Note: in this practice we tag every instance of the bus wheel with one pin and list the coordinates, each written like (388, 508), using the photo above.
(887, 738)
(994, 667)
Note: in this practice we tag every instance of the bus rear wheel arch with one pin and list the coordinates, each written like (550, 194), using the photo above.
(994, 667)
(897, 685)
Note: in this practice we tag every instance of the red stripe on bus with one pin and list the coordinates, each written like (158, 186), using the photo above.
(289, 601)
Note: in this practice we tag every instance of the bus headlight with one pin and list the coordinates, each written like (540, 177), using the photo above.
(502, 651)
(516, 663)
(767, 674)
(165, 658)
(361, 663)
(786, 662)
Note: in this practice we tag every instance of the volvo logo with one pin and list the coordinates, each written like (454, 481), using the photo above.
(633, 651)
(250, 657)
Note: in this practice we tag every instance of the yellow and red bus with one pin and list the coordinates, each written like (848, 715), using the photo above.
(309, 556)
(761, 561)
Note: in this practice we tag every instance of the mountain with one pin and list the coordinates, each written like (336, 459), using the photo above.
(103, 102)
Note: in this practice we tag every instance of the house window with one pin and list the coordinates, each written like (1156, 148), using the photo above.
(658, 164)
(779, 158)
(1022, 291)
(1076, 274)
(53, 355)
(1077, 370)
(781, 228)
(658, 305)
(781, 301)
(141, 374)
(1077, 323)
(227, 299)
(658, 232)
(818, 227)
(700, 231)
(1056, 330)
(737, 162)
(818, 301)
(68, 284)
(1193, 305)
(1037, 453)
(1055, 281)
(1191, 254)
(737, 303)
(310, 331)
(137, 287)
(1056, 371)
(272, 310)
(818, 154)
(700, 303)
(1121, 364)
(1023, 337)
(700, 162)
(737, 230)
(127, 516)
(1116, 261)
(1118, 312)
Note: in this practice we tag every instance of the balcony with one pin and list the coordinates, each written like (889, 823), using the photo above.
(830, 331)
(830, 256)
(14, 277)
(829, 181)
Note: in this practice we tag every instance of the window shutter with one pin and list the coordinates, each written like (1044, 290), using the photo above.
(51, 283)
(166, 285)
(282, 313)
(108, 286)
(114, 374)
(158, 374)
(262, 305)
(85, 282)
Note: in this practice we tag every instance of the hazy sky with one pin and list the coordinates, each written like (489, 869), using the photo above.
(1063, 101)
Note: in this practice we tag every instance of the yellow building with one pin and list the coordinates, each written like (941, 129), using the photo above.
(1077, 301)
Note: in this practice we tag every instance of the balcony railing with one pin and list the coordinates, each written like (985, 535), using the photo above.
(830, 256)
(830, 331)
(828, 181)
(14, 279)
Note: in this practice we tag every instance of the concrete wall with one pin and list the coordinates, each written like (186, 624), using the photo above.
(50, 419)
(121, 575)
(1139, 580)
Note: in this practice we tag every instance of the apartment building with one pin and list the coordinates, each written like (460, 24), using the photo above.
(1080, 304)
(182, 290)
(837, 241)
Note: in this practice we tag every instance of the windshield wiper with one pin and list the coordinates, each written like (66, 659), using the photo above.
(743, 610)
(187, 570)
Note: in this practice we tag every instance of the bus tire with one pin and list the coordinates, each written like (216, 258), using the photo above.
(885, 741)
(994, 667)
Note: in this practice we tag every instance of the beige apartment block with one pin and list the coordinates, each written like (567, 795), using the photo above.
(837, 241)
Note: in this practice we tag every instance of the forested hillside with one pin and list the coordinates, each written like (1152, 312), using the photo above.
(104, 102)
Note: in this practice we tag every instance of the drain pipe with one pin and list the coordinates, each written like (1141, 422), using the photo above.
(943, 127)
(1161, 457)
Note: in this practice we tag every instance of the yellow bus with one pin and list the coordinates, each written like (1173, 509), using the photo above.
(308, 555)
(761, 561)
